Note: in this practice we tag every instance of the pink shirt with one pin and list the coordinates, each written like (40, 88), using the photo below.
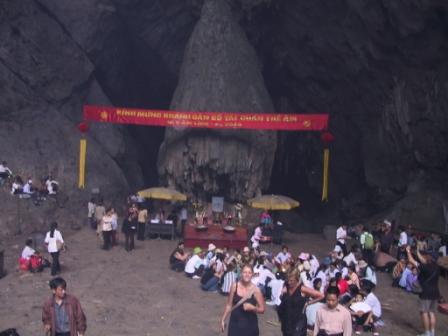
(333, 321)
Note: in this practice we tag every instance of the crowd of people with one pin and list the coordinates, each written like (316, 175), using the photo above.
(47, 186)
(331, 296)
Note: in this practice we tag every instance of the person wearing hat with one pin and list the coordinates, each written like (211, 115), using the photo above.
(429, 281)
(195, 265)
(210, 254)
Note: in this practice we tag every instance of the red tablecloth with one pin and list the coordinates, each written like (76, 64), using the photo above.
(216, 235)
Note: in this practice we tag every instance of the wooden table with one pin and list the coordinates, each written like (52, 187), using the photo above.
(161, 228)
(216, 235)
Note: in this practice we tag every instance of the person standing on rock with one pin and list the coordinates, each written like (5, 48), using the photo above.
(62, 314)
(100, 211)
(130, 227)
(333, 319)
(91, 213)
(341, 236)
(245, 301)
(142, 218)
(429, 281)
(106, 226)
(55, 244)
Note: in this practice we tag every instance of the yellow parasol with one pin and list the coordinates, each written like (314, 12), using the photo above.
(273, 202)
(162, 193)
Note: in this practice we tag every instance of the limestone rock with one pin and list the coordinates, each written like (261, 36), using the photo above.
(220, 72)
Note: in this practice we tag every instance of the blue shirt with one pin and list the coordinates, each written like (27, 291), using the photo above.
(62, 322)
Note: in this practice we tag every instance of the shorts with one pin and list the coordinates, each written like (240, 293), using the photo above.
(428, 306)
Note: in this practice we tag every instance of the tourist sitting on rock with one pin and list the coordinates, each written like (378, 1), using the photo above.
(354, 279)
(27, 252)
(216, 270)
(367, 272)
(283, 256)
(5, 172)
(178, 258)
(412, 284)
(28, 187)
(17, 186)
(195, 265)
(210, 254)
(398, 271)
(229, 278)
(404, 276)
(246, 257)
(52, 185)
(375, 305)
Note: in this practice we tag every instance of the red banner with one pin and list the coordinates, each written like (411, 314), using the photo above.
(228, 120)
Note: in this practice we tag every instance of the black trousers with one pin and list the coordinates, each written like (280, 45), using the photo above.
(129, 240)
(368, 255)
(107, 240)
(55, 266)
(141, 231)
(63, 334)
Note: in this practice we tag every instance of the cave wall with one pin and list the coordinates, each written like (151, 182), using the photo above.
(378, 67)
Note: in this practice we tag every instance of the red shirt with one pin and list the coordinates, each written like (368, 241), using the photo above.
(343, 286)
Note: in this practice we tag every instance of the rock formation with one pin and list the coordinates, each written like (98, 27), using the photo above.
(220, 72)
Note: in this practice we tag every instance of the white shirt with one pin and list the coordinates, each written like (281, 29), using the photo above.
(350, 258)
(4, 169)
(305, 281)
(374, 303)
(27, 188)
(51, 241)
(341, 234)
(281, 257)
(107, 223)
(314, 263)
(403, 239)
(27, 252)
(15, 186)
(193, 263)
(183, 214)
(50, 189)
(256, 237)
(90, 209)
(370, 275)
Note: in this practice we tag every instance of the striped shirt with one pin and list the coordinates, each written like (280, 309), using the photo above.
(228, 281)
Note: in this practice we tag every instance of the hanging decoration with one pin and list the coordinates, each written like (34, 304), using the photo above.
(327, 138)
(83, 127)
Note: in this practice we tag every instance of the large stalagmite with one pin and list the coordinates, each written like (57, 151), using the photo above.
(220, 72)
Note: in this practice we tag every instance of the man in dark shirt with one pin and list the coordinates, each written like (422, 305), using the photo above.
(429, 281)
(386, 238)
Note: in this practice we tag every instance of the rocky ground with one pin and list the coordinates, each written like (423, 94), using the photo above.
(136, 294)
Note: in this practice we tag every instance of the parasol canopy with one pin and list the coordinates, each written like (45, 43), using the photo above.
(162, 193)
(273, 202)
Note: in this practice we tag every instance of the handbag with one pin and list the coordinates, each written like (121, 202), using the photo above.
(59, 245)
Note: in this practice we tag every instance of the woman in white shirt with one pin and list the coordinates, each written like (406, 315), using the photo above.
(54, 242)
(28, 251)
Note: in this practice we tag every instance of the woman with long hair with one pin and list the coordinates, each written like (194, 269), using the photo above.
(294, 300)
(245, 301)
(55, 243)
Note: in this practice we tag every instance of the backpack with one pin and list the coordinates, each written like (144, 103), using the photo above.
(368, 241)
